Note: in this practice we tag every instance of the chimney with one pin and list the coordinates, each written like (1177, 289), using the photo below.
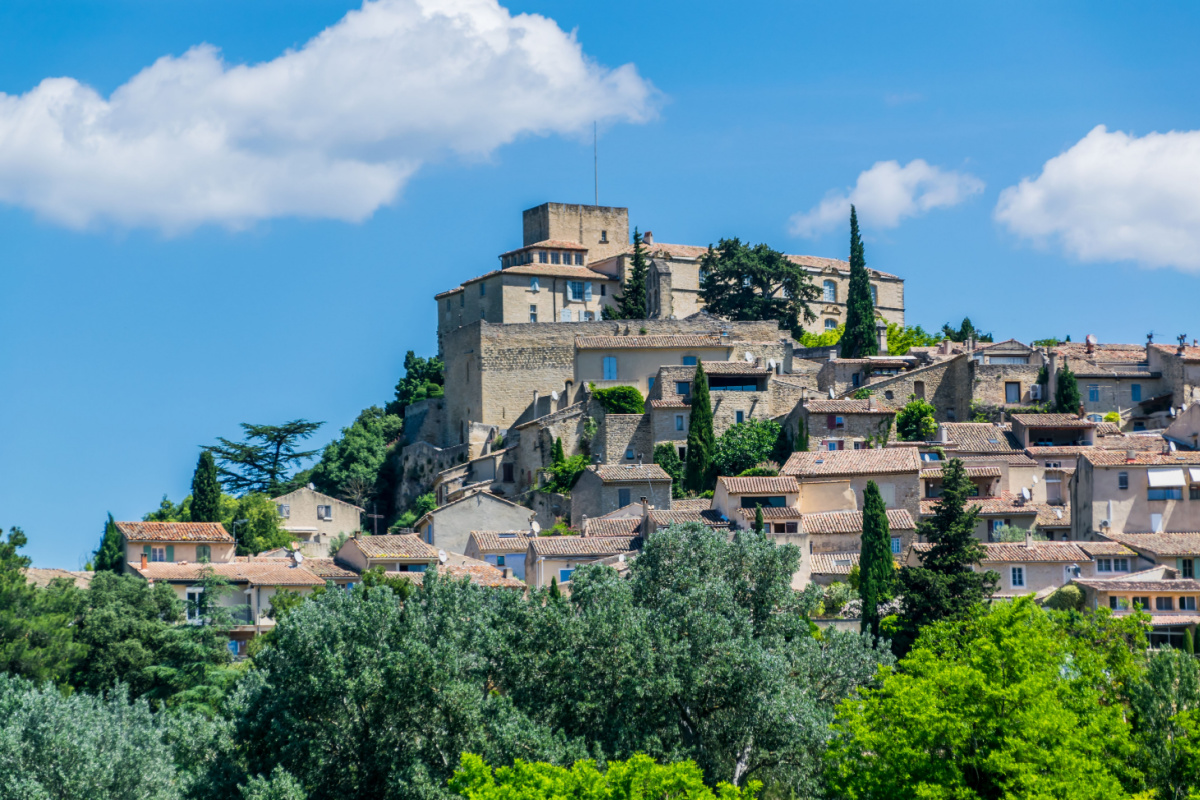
(648, 238)
(143, 560)
(1051, 375)
(1182, 344)
(832, 354)
(1029, 537)
(1130, 455)
(943, 434)
(1091, 344)
(881, 337)
(504, 572)
(870, 402)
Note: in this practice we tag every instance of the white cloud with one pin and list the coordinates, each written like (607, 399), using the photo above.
(1115, 197)
(333, 129)
(887, 193)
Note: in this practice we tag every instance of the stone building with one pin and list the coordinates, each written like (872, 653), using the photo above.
(845, 424)
(603, 489)
(895, 470)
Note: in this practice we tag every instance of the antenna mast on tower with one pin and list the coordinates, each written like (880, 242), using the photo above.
(595, 162)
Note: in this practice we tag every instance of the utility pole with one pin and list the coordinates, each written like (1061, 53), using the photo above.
(596, 162)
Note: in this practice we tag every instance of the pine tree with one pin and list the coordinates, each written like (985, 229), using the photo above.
(876, 572)
(558, 455)
(108, 555)
(859, 339)
(1066, 393)
(632, 303)
(701, 442)
(206, 490)
(758, 519)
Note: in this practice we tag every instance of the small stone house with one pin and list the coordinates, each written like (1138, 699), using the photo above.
(501, 549)
(176, 542)
(832, 542)
(449, 527)
(402, 552)
(896, 470)
(737, 499)
(845, 424)
(606, 487)
(315, 518)
(1171, 601)
(556, 557)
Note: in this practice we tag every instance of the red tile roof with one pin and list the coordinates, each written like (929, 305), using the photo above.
(771, 513)
(1167, 545)
(610, 526)
(651, 341)
(502, 541)
(256, 573)
(833, 563)
(846, 407)
(1052, 421)
(1017, 552)
(1005, 503)
(399, 545)
(1105, 549)
(1117, 458)
(1053, 516)
(972, 472)
(836, 522)
(479, 574)
(1189, 353)
(624, 473)
(668, 404)
(328, 568)
(783, 484)
(584, 546)
(853, 462)
(548, 244)
(175, 532)
(978, 437)
(733, 368)
(678, 516)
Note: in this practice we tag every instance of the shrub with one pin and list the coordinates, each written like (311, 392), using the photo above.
(620, 400)
(1113, 417)
(564, 475)
(744, 446)
(767, 469)
(666, 457)
(915, 421)
(1066, 598)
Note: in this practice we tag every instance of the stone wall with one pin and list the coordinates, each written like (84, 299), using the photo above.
(424, 420)
(856, 427)
(421, 462)
(603, 230)
(946, 385)
(592, 498)
(619, 434)
(988, 383)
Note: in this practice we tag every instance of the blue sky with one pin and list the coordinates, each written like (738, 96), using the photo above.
(157, 289)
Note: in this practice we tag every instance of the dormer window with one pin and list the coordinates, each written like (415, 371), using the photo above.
(554, 258)
(541, 256)
(579, 259)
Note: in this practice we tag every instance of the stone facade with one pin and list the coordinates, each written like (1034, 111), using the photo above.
(625, 439)
(846, 424)
(604, 230)
(597, 493)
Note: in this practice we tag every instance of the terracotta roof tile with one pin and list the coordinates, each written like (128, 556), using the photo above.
(398, 545)
(668, 404)
(833, 563)
(771, 513)
(571, 546)
(1005, 503)
(1116, 458)
(691, 504)
(174, 532)
(623, 473)
(853, 462)
(677, 516)
(978, 437)
(1189, 353)
(846, 406)
(328, 568)
(1017, 552)
(1050, 516)
(607, 526)
(1052, 421)
(651, 341)
(479, 574)
(972, 472)
(1167, 545)
(1143, 587)
(1105, 549)
(783, 484)
(546, 244)
(836, 522)
(256, 573)
(502, 541)
(734, 368)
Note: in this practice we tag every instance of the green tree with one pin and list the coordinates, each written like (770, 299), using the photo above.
(420, 507)
(699, 468)
(802, 436)
(1067, 399)
(631, 304)
(744, 445)
(36, 638)
(966, 330)
(667, 458)
(827, 338)
(947, 585)
(66, 746)
(621, 400)
(915, 422)
(785, 445)
(557, 455)
(109, 556)
(350, 465)
(758, 519)
(564, 474)
(206, 490)
(877, 573)
(860, 339)
(1170, 688)
(423, 378)
(901, 339)
(170, 512)
(1000, 703)
(638, 777)
(741, 282)
(256, 520)
(280, 786)
(263, 462)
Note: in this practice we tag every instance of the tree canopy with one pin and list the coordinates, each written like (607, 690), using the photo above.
(877, 573)
(631, 303)
(915, 422)
(350, 466)
(620, 400)
(265, 459)
(860, 339)
(206, 490)
(745, 445)
(1067, 399)
(744, 282)
(423, 378)
(965, 330)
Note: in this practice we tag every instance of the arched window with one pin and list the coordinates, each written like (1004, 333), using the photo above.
(830, 324)
(830, 292)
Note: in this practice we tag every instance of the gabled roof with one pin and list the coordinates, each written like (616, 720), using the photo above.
(275, 572)
(1052, 421)
(396, 545)
(651, 341)
(625, 473)
(853, 462)
(835, 522)
(1148, 580)
(501, 541)
(733, 368)
(548, 244)
(1094, 549)
(769, 514)
(1004, 503)
(972, 472)
(479, 574)
(782, 484)
(1143, 458)
(175, 532)
(978, 437)
(1040, 552)
(476, 496)
(677, 516)
(584, 546)
(328, 568)
(1167, 545)
(322, 495)
(613, 526)
(833, 563)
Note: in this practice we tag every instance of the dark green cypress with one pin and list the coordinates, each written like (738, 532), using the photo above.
(802, 437)
(558, 456)
(108, 555)
(758, 519)
(632, 302)
(1066, 392)
(555, 592)
(206, 490)
(701, 442)
(875, 570)
(859, 340)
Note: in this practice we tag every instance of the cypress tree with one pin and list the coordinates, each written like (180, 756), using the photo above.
(859, 340)
(1189, 644)
(555, 592)
(557, 455)
(632, 302)
(758, 519)
(108, 555)
(802, 437)
(1066, 392)
(206, 490)
(875, 570)
(701, 442)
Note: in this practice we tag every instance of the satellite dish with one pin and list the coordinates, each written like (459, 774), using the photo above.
(554, 395)
(535, 527)
(749, 358)
(1090, 339)
(442, 556)
(771, 364)
(1025, 494)
(1035, 478)
(1058, 513)
(830, 392)
(298, 556)
(312, 487)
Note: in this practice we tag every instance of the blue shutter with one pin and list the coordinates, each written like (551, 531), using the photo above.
(170, 553)
(587, 291)
(146, 550)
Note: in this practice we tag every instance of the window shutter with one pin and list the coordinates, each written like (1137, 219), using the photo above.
(841, 445)
(1179, 565)
(170, 553)
(831, 422)
(587, 291)
(146, 551)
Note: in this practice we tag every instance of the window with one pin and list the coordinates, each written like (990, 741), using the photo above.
(603, 287)
(532, 313)
(888, 395)
(508, 473)
(194, 596)
(603, 237)
(1135, 392)
(1187, 567)
(839, 422)
(1143, 602)
(1112, 565)
(610, 368)
(830, 324)
(1164, 604)
(325, 512)
(773, 501)
(628, 455)
(482, 288)
(874, 295)
(1156, 523)
(1118, 603)
(534, 284)
(541, 256)
(554, 257)
(951, 415)
(1187, 604)
(1122, 480)
(234, 646)
(1093, 393)
(683, 388)
(787, 527)
(650, 382)
(285, 510)
(203, 553)
(739, 417)
(564, 575)
(919, 389)
(158, 554)
(830, 294)
(1012, 392)
(895, 545)
(1169, 493)
(683, 454)
(689, 361)
(576, 288)
(623, 496)
(1139, 426)
(834, 445)
(679, 422)
(588, 316)
(579, 262)
(1018, 576)
(856, 379)
(499, 561)
(1194, 493)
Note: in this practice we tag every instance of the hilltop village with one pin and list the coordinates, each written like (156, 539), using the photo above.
(561, 438)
